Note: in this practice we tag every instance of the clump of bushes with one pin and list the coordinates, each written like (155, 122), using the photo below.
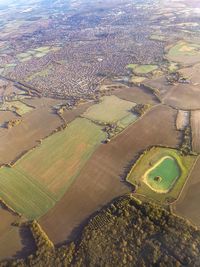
(140, 109)
(12, 123)
(186, 145)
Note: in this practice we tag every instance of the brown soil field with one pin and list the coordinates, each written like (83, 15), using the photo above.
(192, 73)
(180, 96)
(35, 125)
(5, 229)
(159, 83)
(10, 89)
(41, 102)
(14, 241)
(186, 60)
(70, 115)
(2, 84)
(188, 204)
(102, 177)
(183, 96)
(195, 125)
(136, 95)
(6, 116)
(7, 88)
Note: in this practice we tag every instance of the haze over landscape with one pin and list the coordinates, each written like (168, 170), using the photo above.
(99, 133)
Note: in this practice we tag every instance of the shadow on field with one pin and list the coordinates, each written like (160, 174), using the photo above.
(75, 235)
(27, 242)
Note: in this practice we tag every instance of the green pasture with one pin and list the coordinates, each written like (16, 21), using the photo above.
(184, 49)
(131, 66)
(112, 109)
(11, 65)
(36, 53)
(144, 69)
(184, 52)
(173, 174)
(157, 37)
(43, 49)
(41, 177)
(23, 194)
(127, 120)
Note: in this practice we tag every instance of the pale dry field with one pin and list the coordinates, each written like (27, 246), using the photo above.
(182, 120)
(195, 125)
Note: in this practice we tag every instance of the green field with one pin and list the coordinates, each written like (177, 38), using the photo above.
(163, 175)
(23, 194)
(16, 106)
(112, 109)
(142, 69)
(185, 49)
(41, 177)
(172, 173)
(184, 52)
(131, 66)
(43, 49)
(11, 65)
(173, 67)
(37, 53)
(157, 37)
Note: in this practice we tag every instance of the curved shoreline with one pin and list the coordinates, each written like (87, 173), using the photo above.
(145, 180)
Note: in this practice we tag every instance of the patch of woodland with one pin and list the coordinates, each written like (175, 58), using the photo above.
(127, 232)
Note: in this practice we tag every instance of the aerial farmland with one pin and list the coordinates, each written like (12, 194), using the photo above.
(94, 105)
